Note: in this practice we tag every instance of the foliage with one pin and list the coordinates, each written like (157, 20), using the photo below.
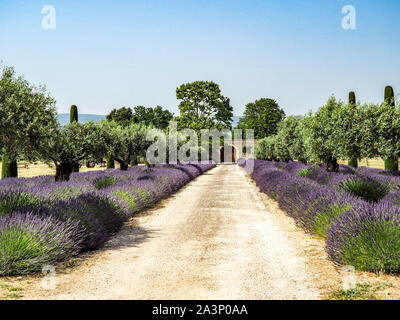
(28, 242)
(123, 142)
(70, 144)
(123, 116)
(73, 114)
(265, 149)
(203, 106)
(8, 168)
(365, 188)
(110, 164)
(262, 116)
(367, 237)
(319, 135)
(155, 117)
(289, 143)
(360, 233)
(26, 111)
(304, 172)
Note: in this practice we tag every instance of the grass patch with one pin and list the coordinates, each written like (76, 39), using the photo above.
(105, 182)
(362, 291)
(304, 172)
(365, 188)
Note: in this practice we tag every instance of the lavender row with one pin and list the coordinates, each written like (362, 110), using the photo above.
(43, 222)
(358, 232)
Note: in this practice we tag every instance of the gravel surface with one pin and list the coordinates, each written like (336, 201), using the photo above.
(214, 239)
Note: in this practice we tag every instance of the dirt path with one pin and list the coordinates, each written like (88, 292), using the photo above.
(214, 239)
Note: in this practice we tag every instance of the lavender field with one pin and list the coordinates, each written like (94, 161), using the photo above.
(43, 222)
(356, 210)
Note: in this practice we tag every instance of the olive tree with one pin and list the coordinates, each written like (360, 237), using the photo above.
(289, 140)
(319, 135)
(347, 135)
(123, 142)
(27, 116)
(265, 149)
(381, 133)
(70, 144)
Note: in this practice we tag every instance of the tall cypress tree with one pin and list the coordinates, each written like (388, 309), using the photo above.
(73, 117)
(73, 114)
(352, 102)
(9, 168)
(391, 163)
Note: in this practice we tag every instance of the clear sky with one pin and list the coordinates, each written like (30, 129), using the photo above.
(107, 54)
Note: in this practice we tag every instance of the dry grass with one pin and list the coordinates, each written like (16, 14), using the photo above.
(373, 163)
(40, 169)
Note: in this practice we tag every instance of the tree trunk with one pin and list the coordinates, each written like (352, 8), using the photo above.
(332, 165)
(63, 171)
(75, 167)
(123, 166)
(9, 168)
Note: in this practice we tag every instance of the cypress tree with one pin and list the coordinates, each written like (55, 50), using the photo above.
(73, 117)
(110, 163)
(8, 168)
(393, 163)
(389, 95)
(352, 101)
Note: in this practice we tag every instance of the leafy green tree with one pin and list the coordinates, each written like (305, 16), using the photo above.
(347, 136)
(289, 140)
(319, 135)
(70, 144)
(262, 116)
(27, 115)
(123, 116)
(203, 106)
(123, 142)
(265, 149)
(381, 134)
(156, 117)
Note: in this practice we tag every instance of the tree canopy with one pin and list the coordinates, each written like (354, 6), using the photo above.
(289, 140)
(156, 117)
(262, 116)
(123, 142)
(27, 116)
(203, 106)
(70, 144)
(123, 116)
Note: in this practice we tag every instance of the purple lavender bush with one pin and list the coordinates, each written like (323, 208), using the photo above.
(367, 237)
(28, 242)
(356, 210)
(90, 208)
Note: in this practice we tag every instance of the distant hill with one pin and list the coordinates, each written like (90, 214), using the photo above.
(63, 118)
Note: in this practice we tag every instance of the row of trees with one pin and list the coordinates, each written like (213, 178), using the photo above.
(29, 129)
(339, 130)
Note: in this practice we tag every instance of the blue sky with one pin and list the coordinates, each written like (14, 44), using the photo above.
(107, 54)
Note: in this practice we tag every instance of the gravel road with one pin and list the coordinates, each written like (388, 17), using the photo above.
(214, 239)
